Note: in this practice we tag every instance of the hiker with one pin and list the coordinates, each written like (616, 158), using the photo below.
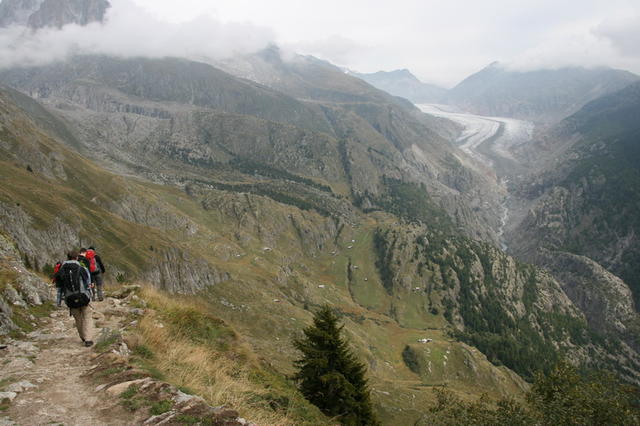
(55, 272)
(82, 259)
(97, 271)
(74, 287)
(96, 267)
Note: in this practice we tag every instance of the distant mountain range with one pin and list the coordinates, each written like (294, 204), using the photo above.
(403, 83)
(542, 96)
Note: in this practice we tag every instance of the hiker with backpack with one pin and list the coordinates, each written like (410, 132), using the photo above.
(96, 267)
(56, 268)
(74, 287)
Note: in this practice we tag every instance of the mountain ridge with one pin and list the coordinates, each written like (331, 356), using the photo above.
(403, 83)
(544, 96)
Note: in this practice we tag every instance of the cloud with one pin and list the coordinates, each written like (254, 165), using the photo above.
(624, 34)
(432, 38)
(130, 31)
(336, 48)
(591, 43)
(563, 50)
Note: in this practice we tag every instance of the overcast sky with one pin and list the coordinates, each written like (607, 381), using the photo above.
(441, 41)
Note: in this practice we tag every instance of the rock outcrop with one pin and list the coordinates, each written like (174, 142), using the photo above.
(604, 298)
(19, 287)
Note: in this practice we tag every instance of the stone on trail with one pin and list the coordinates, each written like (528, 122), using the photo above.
(125, 291)
(122, 350)
(181, 397)
(121, 387)
(19, 364)
(161, 418)
(20, 386)
(8, 395)
(5, 421)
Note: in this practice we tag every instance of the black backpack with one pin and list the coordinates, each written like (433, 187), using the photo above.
(70, 279)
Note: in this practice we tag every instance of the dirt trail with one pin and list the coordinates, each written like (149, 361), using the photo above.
(53, 361)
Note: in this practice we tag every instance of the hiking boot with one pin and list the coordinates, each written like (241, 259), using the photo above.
(88, 343)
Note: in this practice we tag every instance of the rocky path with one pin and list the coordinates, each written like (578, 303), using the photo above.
(50, 378)
(45, 375)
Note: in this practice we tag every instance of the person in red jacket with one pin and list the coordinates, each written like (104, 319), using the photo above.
(55, 273)
(96, 267)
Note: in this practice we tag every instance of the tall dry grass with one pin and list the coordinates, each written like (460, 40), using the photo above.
(221, 377)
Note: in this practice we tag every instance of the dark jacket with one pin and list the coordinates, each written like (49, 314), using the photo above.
(100, 265)
(83, 261)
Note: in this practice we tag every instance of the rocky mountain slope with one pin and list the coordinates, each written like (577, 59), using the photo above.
(543, 96)
(263, 265)
(404, 84)
(170, 119)
(583, 209)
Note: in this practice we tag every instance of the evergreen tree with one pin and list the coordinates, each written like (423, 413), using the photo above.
(329, 373)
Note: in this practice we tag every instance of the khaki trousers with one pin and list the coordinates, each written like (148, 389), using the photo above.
(84, 322)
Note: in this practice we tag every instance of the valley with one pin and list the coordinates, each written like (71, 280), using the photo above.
(488, 140)
(469, 238)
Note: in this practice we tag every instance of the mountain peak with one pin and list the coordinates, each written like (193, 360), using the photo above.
(399, 73)
(402, 82)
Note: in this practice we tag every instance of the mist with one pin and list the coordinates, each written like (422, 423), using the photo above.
(441, 42)
(612, 43)
(131, 31)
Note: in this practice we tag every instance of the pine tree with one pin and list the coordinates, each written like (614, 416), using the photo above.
(329, 373)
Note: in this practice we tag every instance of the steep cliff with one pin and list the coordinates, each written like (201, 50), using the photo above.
(581, 220)
(510, 311)
(20, 289)
(587, 201)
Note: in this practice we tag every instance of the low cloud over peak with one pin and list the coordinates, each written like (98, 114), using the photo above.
(130, 31)
(623, 33)
(433, 38)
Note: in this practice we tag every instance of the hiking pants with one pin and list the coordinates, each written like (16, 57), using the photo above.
(96, 278)
(84, 322)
